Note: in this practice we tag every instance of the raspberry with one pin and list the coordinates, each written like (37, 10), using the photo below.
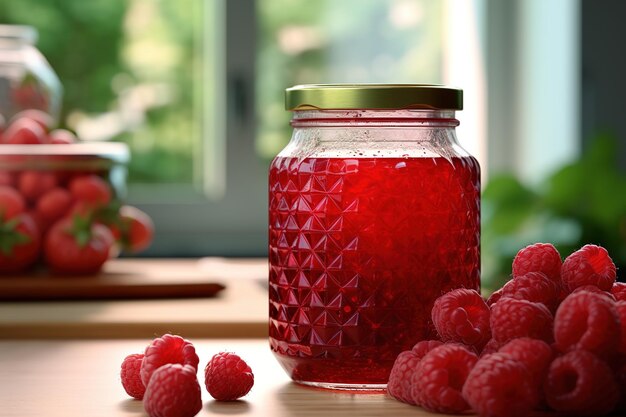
(620, 378)
(422, 348)
(535, 287)
(511, 318)
(494, 297)
(498, 385)
(173, 391)
(619, 291)
(167, 349)
(439, 378)
(587, 321)
(620, 307)
(578, 383)
(461, 315)
(590, 264)
(227, 377)
(534, 354)
(594, 289)
(131, 380)
(492, 346)
(399, 385)
(540, 257)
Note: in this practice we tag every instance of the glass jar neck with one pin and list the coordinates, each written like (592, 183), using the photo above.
(372, 118)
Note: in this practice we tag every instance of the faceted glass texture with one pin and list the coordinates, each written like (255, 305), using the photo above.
(360, 247)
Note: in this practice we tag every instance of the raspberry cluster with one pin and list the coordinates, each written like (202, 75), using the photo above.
(164, 377)
(552, 338)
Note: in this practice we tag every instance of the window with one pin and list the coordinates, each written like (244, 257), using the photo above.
(262, 48)
(195, 87)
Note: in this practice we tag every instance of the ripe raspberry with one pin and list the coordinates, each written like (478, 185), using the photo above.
(131, 380)
(620, 378)
(167, 349)
(461, 315)
(492, 346)
(399, 385)
(578, 383)
(511, 318)
(534, 354)
(590, 264)
(535, 287)
(422, 348)
(439, 377)
(540, 257)
(587, 321)
(494, 297)
(173, 391)
(594, 289)
(500, 386)
(620, 307)
(227, 377)
(619, 291)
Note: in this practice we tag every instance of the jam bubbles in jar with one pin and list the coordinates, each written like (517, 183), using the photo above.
(374, 212)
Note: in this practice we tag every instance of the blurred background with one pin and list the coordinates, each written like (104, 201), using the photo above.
(195, 88)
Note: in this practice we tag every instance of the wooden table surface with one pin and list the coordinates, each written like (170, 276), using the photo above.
(238, 311)
(81, 378)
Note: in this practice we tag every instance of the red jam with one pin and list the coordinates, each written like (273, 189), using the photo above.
(359, 250)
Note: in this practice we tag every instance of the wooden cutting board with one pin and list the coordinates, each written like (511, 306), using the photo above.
(115, 284)
(238, 311)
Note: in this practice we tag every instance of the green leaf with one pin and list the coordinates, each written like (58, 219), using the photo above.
(110, 213)
(507, 204)
(582, 202)
(10, 239)
(81, 229)
(82, 237)
(11, 224)
(507, 190)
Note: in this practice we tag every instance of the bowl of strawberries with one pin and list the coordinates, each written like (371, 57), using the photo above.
(61, 200)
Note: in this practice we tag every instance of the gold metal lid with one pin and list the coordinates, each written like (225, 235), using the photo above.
(373, 96)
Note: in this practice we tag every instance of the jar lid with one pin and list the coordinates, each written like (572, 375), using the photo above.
(373, 96)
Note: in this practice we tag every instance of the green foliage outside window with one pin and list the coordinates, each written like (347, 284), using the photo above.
(109, 54)
(582, 202)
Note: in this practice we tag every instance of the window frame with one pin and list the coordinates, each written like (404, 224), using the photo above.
(229, 216)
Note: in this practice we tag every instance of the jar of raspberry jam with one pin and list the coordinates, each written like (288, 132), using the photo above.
(374, 212)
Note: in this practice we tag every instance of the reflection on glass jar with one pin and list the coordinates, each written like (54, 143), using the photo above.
(26, 79)
(373, 213)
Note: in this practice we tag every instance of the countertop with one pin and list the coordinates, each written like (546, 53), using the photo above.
(63, 358)
(81, 378)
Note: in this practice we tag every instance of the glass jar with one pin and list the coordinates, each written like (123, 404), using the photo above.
(107, 160)
(36, 172)
(374, 212)
(26, 79)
